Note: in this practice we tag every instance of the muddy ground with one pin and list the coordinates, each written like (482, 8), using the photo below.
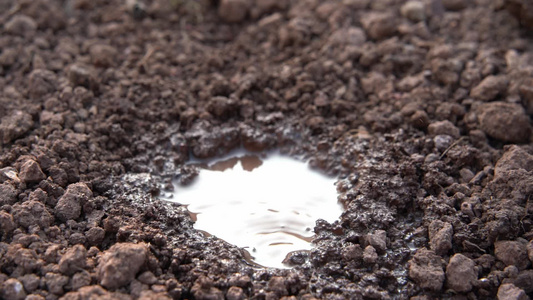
(423, 110)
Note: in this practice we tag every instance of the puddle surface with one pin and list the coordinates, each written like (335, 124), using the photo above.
(266, 205)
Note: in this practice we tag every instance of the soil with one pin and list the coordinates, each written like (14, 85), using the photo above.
(423, 109)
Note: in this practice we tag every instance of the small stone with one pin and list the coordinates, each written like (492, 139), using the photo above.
(15, 126)
(425, 268)
(120, 263)
(512, 253)
(444, 128)
(370, 256)
(506, 122)
(233, 11)
(379, 25)
(461, 273)
(490, 87)
(414, 11)
(73, 260)
(508, 291)
(13, 289)
(235, 293)
(69, 205)
(31, 172)
(440, 237)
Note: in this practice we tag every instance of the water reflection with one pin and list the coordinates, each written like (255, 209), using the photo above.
(267, 205)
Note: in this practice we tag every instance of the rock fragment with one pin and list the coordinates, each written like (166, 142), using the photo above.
(119, 265)
(490, 87)
(461, 273)
(512, 253)
(425, 268)
(69, 205)
(506, 122)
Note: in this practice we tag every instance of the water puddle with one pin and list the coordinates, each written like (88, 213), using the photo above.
(266, 204)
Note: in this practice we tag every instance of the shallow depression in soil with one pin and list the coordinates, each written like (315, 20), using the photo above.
(267, 205)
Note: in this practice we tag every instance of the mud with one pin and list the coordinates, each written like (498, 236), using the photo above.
(422, 108)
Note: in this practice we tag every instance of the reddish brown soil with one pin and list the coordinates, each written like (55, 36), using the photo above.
(422, 109)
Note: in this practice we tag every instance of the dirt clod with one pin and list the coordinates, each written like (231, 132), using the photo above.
(461, 273)
(505, 121)
(70, 204)
(119, 265)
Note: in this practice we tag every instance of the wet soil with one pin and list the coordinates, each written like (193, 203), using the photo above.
(423, 110)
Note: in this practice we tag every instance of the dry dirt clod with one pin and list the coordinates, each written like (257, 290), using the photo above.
(511, 292)
(69, 205)
(13, 289)
(119, 265)
(425, 268)
(31, 172)
(461, 273)
(512, 253)
(73, 260)
(506, 122)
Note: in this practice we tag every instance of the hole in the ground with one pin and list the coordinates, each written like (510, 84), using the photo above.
(267, 204)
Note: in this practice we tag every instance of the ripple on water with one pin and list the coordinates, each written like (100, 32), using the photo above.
(267, 205)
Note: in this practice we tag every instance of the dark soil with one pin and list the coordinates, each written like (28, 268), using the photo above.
(423, 110)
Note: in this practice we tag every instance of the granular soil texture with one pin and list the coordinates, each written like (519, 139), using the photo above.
(422, 108)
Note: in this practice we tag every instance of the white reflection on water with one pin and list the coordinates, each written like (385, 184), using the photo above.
(266, 205)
